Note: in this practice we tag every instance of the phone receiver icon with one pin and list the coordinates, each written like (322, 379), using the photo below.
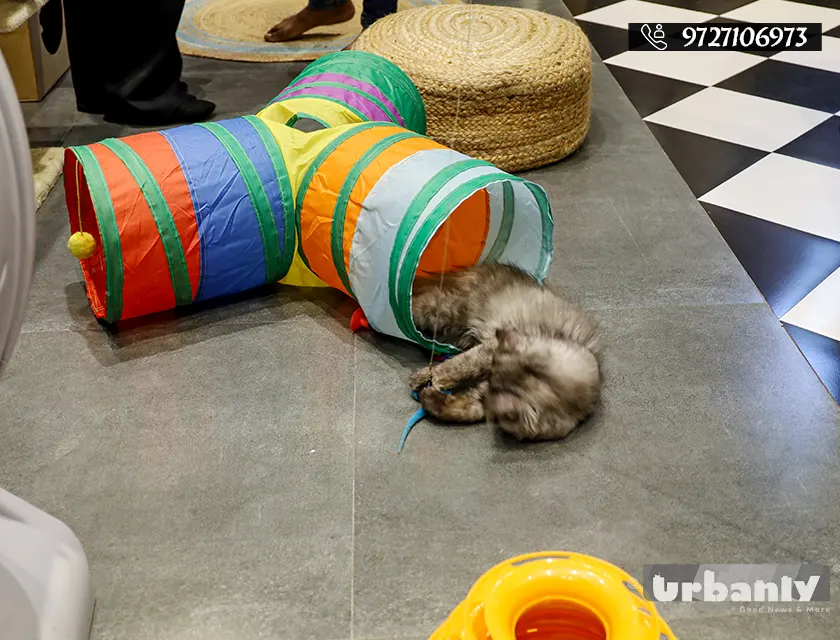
(656, 38)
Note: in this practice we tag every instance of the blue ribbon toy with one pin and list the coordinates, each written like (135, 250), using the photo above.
(417, 416)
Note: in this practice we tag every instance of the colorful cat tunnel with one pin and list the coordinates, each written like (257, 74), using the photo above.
(349, 87)
(166, 219)
(205, 211)
(543, 596)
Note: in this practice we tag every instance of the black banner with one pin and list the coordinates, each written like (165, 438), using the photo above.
(725, 36)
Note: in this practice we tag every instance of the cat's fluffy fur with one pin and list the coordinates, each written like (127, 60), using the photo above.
(531, 360)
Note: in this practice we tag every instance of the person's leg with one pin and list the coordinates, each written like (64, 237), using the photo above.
(90, 66)
(125, 61)
(373, 10)
(317, 13)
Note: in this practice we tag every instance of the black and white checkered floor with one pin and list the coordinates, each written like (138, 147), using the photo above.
(757, 139)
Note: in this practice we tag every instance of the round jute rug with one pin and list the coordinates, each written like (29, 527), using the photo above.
(234, 30)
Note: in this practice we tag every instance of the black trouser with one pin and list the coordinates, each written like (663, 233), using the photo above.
(372, 10)
(124, 54)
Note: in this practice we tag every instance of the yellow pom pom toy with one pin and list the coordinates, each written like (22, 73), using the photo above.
(82, 245)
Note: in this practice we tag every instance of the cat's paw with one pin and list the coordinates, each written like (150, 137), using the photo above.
(420, 379)
(461, 408)
(434, 403)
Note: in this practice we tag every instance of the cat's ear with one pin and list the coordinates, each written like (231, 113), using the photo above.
(508, 339)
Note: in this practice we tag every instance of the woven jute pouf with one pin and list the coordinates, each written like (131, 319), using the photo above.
(506, 85)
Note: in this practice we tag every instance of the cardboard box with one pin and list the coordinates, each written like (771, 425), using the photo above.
(35, 62)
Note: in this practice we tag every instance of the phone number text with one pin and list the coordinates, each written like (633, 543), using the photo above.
(725, 37)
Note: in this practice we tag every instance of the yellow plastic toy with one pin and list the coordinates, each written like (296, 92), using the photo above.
(551, 596)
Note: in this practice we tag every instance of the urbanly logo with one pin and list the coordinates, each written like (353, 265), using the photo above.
(736, 582)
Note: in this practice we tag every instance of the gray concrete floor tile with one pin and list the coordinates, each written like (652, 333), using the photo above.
(58, 109)
(804, 625)
(49, 121)
(209, 484)
(628, 231)
(701, 448)
(613, 252)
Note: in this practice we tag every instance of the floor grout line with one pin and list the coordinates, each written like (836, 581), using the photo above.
(70, 128)
(621, 220)
(28, 328)
(353, 491)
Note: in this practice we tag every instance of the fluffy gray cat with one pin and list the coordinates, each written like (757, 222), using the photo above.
(531, 360)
